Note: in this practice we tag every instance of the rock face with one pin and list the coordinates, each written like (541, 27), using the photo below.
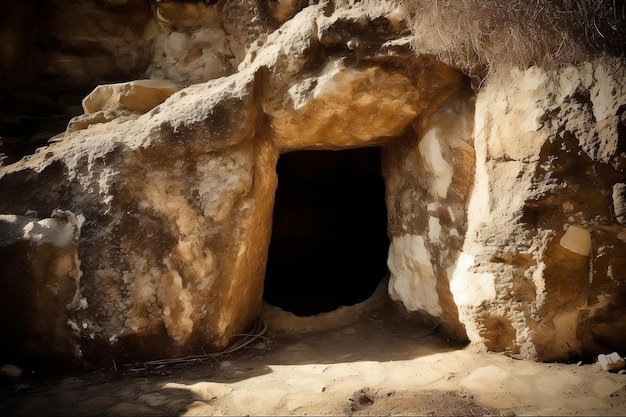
(143, 230)
(549, 153)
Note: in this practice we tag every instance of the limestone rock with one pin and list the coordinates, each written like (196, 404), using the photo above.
(191, 45)
(138, 96)
(504, 201)
(543, 166)
(85, 120)
(611, 362)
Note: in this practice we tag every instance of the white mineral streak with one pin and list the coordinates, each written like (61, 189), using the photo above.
(540, 284)
(224, 180)
(412, 279)
(430, 150)
(54, 231)
(469, 291)
(434, 230)
(469, 288)
(311, 88)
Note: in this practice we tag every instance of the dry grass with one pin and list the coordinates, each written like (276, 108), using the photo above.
(483, 36)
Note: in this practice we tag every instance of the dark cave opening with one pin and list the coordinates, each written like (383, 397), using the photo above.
(329, 235)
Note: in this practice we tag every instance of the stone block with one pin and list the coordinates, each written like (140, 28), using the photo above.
(611, 362)
(138, 96)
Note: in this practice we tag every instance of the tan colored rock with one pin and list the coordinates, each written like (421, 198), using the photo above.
(349, 109)
(577, 239)
(542, 166)
(138, 96)
(487, 196)
(85, 120)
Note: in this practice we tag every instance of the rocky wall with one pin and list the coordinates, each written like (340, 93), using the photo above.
(542, 273)
(428, 176)
(177, 199)
(506, 203)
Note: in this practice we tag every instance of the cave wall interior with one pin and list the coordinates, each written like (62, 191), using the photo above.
(142, 231)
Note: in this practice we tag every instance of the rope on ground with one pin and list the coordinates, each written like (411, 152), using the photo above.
(257, 332)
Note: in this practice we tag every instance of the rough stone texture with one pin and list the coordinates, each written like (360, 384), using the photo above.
(191, 45)
(136, 96)
(161, 238)
(549, 153)
(428, 175)
(178, 201)
(171, 206)
(111, 101)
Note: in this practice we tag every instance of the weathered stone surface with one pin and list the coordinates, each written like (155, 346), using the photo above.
(191, 45)
(548, 154)
(161, 227)
(136, 96)
(428, 175)
(493, 198)
(112, 101)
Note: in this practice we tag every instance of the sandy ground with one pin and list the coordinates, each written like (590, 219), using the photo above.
(379, 364)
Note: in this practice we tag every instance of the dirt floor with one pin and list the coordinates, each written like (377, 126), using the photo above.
(379, 364)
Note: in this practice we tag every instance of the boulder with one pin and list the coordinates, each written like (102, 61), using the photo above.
(138, 96)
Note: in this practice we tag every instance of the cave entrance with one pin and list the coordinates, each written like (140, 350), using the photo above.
(329, 232)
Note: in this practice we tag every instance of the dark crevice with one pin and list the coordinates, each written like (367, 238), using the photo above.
(329, 237)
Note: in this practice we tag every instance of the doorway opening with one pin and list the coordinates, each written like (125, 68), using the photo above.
(329, 240)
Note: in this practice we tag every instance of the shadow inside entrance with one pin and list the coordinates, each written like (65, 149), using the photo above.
(329, 237)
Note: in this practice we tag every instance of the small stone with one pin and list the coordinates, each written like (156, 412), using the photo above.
(579, 363)
(622, 372)
(611, 362)
(11, 371)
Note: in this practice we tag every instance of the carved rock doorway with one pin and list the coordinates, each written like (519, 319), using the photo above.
(329, 241)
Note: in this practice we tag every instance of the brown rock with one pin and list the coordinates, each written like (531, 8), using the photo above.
(504, 208)
(138, 96)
